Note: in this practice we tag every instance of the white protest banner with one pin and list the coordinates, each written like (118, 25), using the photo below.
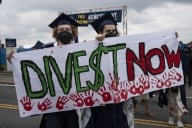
(84, 74)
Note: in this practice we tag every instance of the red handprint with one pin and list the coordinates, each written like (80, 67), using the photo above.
(89, 98)
(26, 101)
(137, 88)
(132, 87)
(106, 96)
(157, 82)
(176, 76)
(114, 88)
(124, 94)
(61, 101)
(167, 80)
(46, 104)
(78, 98)
(124, 90)
(144, 79)
(117, 97)
(114, 83)
(140, 90)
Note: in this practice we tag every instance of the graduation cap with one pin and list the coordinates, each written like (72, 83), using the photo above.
(106, 19)
(63, 19)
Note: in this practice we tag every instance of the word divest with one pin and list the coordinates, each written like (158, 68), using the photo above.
(92, 73)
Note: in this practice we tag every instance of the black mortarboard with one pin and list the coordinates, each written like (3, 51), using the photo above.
(63, 19)
(106, 19)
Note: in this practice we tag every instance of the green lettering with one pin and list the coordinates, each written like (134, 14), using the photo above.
(65, 83)
(78, 69)
(25, 65)
(94, 62)
(114, 49)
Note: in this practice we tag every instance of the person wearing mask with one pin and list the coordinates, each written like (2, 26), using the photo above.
(65, 30)
(111, 115)
(64, 33)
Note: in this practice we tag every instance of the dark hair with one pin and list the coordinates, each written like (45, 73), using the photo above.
(102, 28)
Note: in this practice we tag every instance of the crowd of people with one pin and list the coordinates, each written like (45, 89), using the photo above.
(119, 115)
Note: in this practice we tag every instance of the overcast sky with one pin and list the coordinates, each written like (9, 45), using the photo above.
(27, 20)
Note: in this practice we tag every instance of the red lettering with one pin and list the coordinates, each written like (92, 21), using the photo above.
(131, 58)
(145, 60)
(173, 60)
(161, 67)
